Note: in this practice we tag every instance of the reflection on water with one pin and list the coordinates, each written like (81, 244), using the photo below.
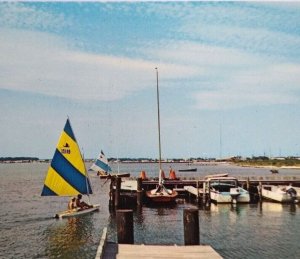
(70, 238)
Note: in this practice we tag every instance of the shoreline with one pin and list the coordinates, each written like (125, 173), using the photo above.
(271, 167)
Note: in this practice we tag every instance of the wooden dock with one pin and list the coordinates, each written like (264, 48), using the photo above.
(109, 250)
(124, 251)
(131, 185)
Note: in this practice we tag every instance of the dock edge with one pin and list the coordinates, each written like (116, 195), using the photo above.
(102, 244)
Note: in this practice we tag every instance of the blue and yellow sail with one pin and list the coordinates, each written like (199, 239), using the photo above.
(67, 174)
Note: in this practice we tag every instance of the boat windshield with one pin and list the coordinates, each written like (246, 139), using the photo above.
(223, 185)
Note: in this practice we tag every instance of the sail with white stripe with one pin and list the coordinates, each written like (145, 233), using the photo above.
(101, 164)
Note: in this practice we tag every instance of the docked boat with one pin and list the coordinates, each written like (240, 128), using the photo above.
(224, 189)
(67, 174)
(283, 194)
(160, 194)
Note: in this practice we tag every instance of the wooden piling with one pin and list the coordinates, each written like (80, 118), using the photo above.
(111, 194)
(208, 188)
(248, 184)
(125, 226)
(191, 227)
(139, 193)
(198, 195)
(260, 191)
(204, 193)
(117, 192)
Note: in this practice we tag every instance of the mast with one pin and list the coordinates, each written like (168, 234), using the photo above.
(87, 179)
(158, 124)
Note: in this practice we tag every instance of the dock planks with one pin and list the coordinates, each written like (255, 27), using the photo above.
(124, 251)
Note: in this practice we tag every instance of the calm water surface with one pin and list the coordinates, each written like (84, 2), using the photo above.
(27, 229)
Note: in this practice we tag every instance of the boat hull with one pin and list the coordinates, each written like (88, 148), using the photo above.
(227, 197)
(75, 212)
(225, 189)
(188, 170)
(275, 193)
(161, 197)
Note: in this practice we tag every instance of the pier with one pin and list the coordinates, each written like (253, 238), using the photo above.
(126, 249)
(130, 192)
(123, 251)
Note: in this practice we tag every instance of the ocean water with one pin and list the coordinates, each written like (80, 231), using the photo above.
(28, 229)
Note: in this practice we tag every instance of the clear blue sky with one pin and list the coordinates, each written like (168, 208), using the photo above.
(229, 77)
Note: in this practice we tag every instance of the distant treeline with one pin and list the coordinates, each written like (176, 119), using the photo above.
(21, 158)
(265, 161)
(127, 159)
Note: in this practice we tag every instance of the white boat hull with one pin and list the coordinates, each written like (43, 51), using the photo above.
(225, 189)
(228, 197)
(276, 193)
(75, 212)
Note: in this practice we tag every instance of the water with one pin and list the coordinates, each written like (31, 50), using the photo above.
(28, 230)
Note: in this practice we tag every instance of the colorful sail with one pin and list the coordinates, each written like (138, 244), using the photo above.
(101, 164)
(67, 174)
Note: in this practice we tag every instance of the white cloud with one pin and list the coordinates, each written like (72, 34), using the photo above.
(216, 76)
(229, 78)
(221, 78)
(16, 14)
(42, 63)
(272, 85)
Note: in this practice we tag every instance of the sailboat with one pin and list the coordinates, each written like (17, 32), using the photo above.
(160, 194)
(67, 175)
(103, 169)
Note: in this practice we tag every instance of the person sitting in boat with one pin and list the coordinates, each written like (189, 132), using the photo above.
(81, 204)
(72, 204)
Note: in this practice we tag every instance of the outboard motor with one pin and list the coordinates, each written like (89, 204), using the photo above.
(234, 193)
(292, 192)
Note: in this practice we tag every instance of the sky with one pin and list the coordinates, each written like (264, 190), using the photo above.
(228, 76)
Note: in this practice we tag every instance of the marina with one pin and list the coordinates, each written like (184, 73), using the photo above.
(195, 104)
(219, 189)
(227, 228)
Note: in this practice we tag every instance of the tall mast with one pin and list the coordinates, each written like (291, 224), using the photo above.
(87, 179)
(158, 120)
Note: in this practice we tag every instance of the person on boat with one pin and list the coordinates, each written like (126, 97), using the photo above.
(72, 204)
(81, 204)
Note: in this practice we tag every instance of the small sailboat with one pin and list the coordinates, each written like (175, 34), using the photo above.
(67, 175)
(101, 165)
(103, 169)
(160, 194)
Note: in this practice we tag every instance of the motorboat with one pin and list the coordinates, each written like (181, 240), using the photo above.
(283, 194)
(224, 189)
